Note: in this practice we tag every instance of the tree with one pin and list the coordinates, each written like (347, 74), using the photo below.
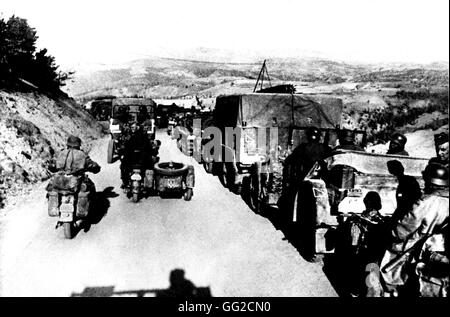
(20, 45)
(19, 59)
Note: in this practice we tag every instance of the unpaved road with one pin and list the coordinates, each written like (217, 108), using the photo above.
(215, 238)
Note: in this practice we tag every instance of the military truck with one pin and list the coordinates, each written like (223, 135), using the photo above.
(267, 126)
(124, 111)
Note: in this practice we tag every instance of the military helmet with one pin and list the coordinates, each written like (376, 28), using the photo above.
(436, 174)
(313, 134)
(440, 138)
(73, 141)
(398, 138)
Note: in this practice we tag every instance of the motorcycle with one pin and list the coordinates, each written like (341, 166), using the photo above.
(69, 199)
(135, 185)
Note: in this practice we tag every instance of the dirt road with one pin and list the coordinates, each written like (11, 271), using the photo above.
(215, 238)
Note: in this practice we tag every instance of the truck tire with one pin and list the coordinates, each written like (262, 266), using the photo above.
(253, 191)
(177, 170)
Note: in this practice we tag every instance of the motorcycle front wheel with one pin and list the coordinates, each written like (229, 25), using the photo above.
(68, 230)
(135, 197)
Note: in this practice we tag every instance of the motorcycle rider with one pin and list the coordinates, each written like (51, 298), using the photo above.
(73, 161)
(397, 144)
(137, 150)
(360, 243)
(425, 218)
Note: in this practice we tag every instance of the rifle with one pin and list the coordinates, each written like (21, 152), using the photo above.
(388, 267)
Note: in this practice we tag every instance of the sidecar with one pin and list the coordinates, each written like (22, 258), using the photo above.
(173, 178)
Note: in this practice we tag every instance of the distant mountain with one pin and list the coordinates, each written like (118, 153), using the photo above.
(205, 71)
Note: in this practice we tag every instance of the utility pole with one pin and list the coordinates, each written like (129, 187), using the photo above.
(261, 76)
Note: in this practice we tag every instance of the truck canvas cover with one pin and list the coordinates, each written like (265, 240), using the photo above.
(257, 110)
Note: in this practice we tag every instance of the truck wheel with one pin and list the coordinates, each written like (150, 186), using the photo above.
(253, 191)
(208, 167)
(68, 230)
(110, 156)
(188, 194)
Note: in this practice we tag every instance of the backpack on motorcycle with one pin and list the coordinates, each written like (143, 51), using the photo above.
(70, 183)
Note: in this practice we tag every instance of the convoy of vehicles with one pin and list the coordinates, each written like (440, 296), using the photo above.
(258, 131)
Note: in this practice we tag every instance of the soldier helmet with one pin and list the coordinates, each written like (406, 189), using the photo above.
(313, 134)
(440, 138)
(73, 141)
(399, 138)
(436, 174)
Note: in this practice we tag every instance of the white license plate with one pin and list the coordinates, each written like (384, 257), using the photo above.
(66, 212)
(354, 192)
(66, 217)
(173, 182)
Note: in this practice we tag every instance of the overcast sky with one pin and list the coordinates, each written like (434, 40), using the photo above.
(353, 30)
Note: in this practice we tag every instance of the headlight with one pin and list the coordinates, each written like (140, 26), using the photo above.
(136, 177)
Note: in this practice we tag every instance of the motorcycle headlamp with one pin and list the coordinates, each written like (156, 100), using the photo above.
(136, 177)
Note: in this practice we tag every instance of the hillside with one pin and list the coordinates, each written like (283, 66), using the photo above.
(33, 127)
(158, 77)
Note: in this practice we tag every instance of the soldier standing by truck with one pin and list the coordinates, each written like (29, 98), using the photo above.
(296, 167)
(426, 218)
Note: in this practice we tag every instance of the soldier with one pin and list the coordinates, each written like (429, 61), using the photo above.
(442, 150)
(347, 141)
(296, 166)
(397, 144)
(360, 243)
(306, 154)
(122, 115)
(75, 162)
(137, 150)
(142, 115)
(410, 232)
(408, 190)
